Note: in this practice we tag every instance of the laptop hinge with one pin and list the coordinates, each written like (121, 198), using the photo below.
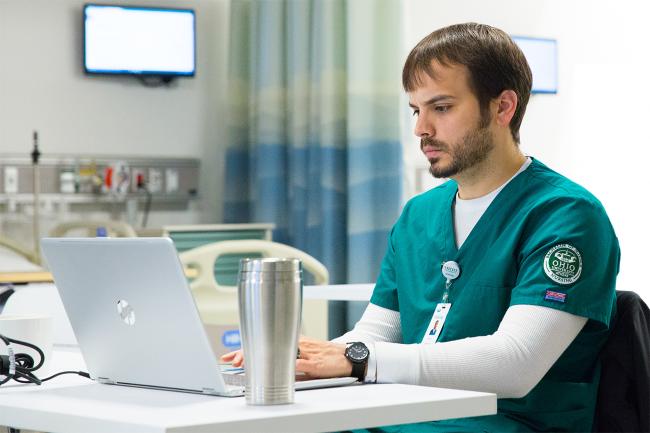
(105, 380)
(209, 391)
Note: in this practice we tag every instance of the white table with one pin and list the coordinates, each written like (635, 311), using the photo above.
(74, 404)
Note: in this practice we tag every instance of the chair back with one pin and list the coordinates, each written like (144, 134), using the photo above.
(113, 228)
(217, 303)
(14, 248)
(203, 258)
(623, 403)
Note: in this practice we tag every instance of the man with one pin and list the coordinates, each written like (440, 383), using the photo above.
(513, 264)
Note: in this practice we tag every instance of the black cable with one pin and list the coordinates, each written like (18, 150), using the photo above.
(25, 361)
(24, 364)
(29, 377)
(6, 290)
(80, 373)
(35, 380)
(9, 359)
(147, 205)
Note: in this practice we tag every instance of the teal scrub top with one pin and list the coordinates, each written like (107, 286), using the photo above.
(545, 241)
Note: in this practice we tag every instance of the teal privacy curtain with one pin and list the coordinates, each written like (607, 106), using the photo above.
(314, 95)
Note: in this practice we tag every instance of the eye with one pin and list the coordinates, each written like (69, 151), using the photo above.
(416, 113)
(442, 108)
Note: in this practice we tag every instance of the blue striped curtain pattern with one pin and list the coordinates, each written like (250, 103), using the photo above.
(314, 94)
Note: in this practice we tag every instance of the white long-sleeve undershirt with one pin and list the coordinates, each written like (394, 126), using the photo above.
(509, 362)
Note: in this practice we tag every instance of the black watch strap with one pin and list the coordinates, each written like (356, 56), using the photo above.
(359, 370)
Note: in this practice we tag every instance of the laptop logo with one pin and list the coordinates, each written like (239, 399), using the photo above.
(126, 312)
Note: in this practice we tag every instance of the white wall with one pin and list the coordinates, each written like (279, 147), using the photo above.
(594, 130)
(43, 87)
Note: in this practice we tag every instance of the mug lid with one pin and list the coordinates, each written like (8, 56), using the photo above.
(270, 264)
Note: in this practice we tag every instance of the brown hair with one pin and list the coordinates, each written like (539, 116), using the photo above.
(495, 63)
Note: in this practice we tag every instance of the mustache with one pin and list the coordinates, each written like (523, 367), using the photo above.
(432, 142)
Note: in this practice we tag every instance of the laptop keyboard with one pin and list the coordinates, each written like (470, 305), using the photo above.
(236, 377)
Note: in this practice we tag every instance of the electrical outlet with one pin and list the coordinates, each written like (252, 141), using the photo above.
(138, 179)
(155, 183)
(11, 180)
(171, 180)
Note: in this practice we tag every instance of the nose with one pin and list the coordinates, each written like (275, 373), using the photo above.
(423, 127)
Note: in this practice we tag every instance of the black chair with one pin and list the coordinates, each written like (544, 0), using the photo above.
(623, 403)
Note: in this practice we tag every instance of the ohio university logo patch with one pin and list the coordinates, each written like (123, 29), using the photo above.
(563, 264)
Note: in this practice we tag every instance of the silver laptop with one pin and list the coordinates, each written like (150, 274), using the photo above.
(134, 316)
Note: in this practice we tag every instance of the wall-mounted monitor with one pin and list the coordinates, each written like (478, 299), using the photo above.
(130, 40)
(542, 58)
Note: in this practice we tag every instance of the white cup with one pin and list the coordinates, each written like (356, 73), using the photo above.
(31, 328)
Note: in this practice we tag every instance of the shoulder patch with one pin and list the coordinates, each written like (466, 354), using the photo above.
(563, 264)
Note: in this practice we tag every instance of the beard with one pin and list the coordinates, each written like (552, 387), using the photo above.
(469, 151)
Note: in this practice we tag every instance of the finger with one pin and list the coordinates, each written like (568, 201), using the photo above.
(303, 378)
(301, 375)
(308, 342)
(309, 345)
(303, 353)
(300, 365)
(227, 357)
(238, 360)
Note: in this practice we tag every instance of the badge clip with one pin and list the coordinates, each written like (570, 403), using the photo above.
(451, 271)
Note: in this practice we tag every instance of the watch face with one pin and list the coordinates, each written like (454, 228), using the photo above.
(357, 352)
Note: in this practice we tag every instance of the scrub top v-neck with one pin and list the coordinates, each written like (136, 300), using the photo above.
(543, 240)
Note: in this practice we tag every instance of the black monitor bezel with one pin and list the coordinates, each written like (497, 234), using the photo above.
(167, 75)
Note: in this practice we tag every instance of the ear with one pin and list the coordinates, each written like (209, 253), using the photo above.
(507, 105)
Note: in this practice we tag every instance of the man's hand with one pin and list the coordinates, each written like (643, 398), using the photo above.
(235, 357)
(321, 359)
(318, 359)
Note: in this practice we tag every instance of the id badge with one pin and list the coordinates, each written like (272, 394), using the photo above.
(436, 324)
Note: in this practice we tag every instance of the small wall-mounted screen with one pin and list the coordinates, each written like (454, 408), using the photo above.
(139, 41)
(542, 58)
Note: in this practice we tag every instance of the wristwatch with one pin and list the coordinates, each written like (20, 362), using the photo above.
(357, 353)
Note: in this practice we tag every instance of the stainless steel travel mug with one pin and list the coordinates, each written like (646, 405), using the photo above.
(270, 303)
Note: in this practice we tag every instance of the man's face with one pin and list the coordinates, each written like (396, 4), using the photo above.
(453, 135)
